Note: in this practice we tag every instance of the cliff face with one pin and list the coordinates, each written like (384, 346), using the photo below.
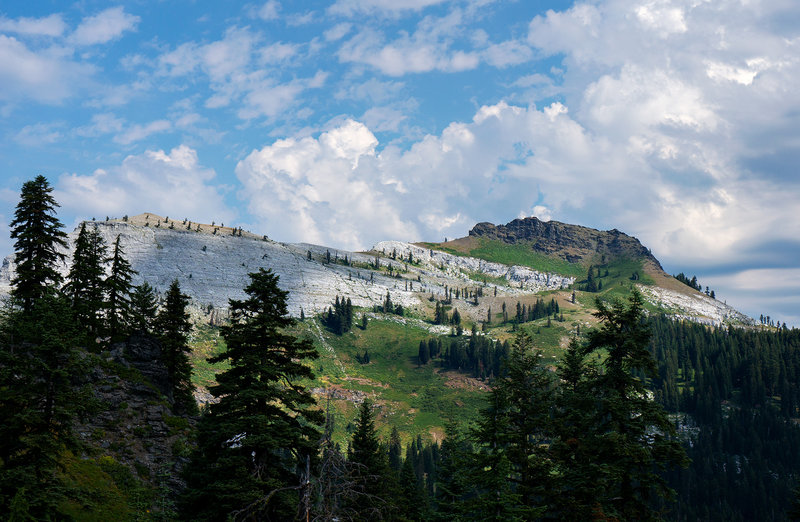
(572, 243)
(133, 425)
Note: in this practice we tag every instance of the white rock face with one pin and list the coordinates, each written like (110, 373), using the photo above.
(214, 268)
(695, 307)
(457, 266)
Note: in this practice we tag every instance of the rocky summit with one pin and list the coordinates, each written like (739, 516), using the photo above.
(572, 243)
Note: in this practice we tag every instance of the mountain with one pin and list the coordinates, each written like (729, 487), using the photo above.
(521, 258)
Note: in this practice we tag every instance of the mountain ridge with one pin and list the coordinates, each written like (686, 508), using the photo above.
(211, 262)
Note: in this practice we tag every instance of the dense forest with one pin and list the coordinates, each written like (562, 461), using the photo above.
(641, 418)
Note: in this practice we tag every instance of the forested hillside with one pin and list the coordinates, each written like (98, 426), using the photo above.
(580, 404)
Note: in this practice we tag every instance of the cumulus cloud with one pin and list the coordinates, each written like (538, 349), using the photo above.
(103, 27)
(170, 183)
(322, 189)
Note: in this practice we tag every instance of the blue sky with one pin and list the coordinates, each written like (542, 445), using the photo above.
(351, 121)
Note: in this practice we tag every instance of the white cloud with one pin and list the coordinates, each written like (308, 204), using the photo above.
(46, 76)
(504, 54)
(52, 25)
(235, 68)
(40, 134)
(337, 32)
(103, 27)
(139, 132)
(270, 10)
(429, 48)
(103, 123)
(320, 190)
(173, 184)
(352, 7)
(278, 52)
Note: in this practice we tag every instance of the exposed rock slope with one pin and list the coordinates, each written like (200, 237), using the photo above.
(212, 265)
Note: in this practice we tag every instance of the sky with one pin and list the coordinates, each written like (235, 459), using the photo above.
(347, 122)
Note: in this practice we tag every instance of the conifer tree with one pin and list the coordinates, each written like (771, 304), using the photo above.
(636, 437)
(254, 443)
(372, 466)
(118, 287)
(85, 287)
(395, 450)
(423, 354)
(172, 326)
(38, 236)
(39, 361)
(144, 306)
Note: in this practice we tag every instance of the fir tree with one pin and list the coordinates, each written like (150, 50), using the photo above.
(39, 362)
(144, 306)
(85, 287)
(118, 287)
(38, 236)
(253, 443)
(372, 466)
(636, 436)
(172, 326)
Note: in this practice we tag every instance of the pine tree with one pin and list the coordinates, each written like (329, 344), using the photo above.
(38, 236)
(39, 362)
(372, 466)
(85, 287)
(395, 451)
(637, 436)
(172, 326)
(118, 288)
(144, 306)
(423, 354)
(254, 442)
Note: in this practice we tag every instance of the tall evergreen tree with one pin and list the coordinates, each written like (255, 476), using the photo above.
(85, 287)
(172, 326)
(254, 444)
(635, 437)
(144, 307)
(39, 361)
(372, 466)
(38, 236)
(118, 288)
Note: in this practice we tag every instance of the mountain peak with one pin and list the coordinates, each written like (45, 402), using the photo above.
(572, 243)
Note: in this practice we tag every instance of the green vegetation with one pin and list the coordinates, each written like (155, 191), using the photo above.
(521, 254)
(417, 400)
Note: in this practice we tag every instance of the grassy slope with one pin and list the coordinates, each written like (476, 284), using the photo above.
(519, 254)
(422, 400)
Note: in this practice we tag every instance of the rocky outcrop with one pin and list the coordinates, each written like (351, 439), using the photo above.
(213, 267)
(132, 419)
(459, 266)
(572, 243)
(696, 307)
